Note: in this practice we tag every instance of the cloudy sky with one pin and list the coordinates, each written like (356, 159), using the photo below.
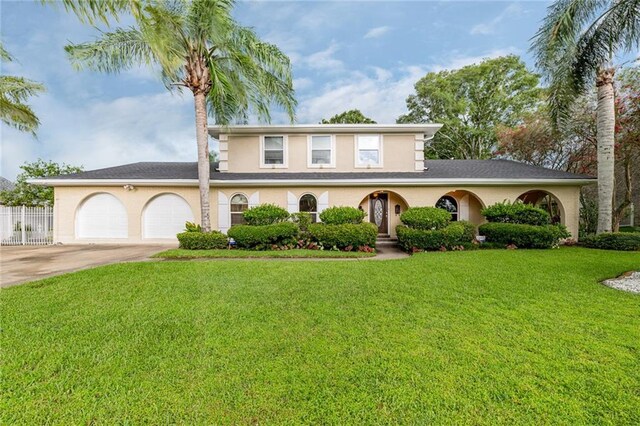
(348, 54)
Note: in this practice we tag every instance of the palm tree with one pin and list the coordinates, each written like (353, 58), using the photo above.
(14, 93)
(575, 47)
(198, 45)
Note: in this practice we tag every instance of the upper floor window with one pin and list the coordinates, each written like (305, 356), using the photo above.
(309, 204)
(368, 151)
(321, 151)
(449, 204)
(274, 151)
(239, 204)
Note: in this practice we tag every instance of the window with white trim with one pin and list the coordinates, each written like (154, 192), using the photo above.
(239, 203)
(368, 151)
(309, 203)
(321, 151)
(273, 151)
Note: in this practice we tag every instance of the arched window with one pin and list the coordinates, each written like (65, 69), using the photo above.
(239, 204)
(309, 204)
(449, 204)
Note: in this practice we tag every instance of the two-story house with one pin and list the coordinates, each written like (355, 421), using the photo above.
(378, 168)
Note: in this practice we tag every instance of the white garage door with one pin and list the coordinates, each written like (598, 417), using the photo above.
(102, 216)
(165, 215)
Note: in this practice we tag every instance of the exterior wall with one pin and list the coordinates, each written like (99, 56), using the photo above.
(68, 200)
(241, 154)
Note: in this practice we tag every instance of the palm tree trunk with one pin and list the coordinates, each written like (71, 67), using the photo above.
(202, 139)
(606, 132)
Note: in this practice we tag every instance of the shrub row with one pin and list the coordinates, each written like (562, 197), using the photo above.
(453, 235)
(198, 240)
(262, 237)
(516, 212)
(265, 214)
(344, 236)
(429, 218)
(625, 241)
(524, 236)
(341, 215)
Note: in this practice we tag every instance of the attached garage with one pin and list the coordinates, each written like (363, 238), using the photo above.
(102, 216)
(164, 216)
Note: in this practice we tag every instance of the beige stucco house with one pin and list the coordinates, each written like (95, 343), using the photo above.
(378, 168)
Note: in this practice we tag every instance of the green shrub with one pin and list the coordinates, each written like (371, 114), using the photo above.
(265, 214)
(263, 237)
(428, 218)
(630, 229)
(524, 236)
(302, 219)
(198, 240)
(454, 235)
(517, 212)
(344, 236)
(624, 241)
(192, 227)
(341, 215)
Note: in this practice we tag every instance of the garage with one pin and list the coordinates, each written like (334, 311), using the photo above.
(165, 216)
(102, 216)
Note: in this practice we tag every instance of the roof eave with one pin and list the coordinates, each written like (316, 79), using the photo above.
(428, 129)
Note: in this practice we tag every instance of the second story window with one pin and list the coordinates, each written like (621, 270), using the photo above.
(321, 151)
(274, 151)
(368, 151)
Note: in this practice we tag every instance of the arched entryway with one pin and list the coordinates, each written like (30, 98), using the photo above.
(384, 208)
(546, 201)
(463, 205)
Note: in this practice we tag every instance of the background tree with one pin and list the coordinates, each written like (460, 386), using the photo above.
(575, 47)
(14, 93)
(471, 102)
(198, 45)
(353, 116)
(27, 194)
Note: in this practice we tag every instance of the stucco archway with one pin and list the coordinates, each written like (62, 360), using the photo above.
(384, 208)
(546, 201)
(468, 206)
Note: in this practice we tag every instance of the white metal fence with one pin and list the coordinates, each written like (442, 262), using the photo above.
(26, 225)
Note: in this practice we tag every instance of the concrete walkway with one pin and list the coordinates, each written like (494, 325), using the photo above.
(20, 264)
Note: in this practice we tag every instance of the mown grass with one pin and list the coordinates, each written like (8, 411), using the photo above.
(250, 254)
(482, 337)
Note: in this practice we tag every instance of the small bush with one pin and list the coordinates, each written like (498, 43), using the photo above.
(342, 215)
(427, 218)
(524, 236)
(192, 227)
(265, 214)
(199, 240)
(302, 219)
(344, 236)
(517, 212)
(455, 235)
(263, 237)
(624, 241)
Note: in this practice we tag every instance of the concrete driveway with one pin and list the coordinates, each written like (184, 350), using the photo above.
(19, 264)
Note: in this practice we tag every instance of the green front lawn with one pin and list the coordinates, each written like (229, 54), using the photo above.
(291, 254)
(481, 337)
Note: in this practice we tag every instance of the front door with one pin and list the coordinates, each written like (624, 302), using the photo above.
(378, 211)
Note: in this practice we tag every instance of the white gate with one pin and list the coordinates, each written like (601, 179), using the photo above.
(26, 225)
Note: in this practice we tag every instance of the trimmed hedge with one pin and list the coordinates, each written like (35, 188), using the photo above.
(517, 212)
(524, 236)
(427, 218)
(624, 241)
(264, 236)
(302, 219)
(341, 215)
(265, 214)
(196, 240)
(344, 236)
(630, 229)
(453, 235)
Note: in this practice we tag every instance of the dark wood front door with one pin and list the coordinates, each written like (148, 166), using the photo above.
(379, 211)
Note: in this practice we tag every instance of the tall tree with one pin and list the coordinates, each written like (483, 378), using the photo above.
(14, 94)
(575, 47)
(198, 45)
(470, 103)
(353, 116)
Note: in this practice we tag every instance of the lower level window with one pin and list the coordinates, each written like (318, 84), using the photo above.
(309, 204)
(449, 204)
(239, 204)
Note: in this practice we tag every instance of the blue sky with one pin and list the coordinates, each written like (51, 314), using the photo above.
(353, 54)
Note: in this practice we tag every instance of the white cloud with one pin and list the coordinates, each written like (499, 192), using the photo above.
(302, 83)
(377, 32)
(325, 59)
(490, 27)
(457, 61)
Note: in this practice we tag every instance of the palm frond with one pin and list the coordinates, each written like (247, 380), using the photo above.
(18, 115)
(91, 11)
(18, 89)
